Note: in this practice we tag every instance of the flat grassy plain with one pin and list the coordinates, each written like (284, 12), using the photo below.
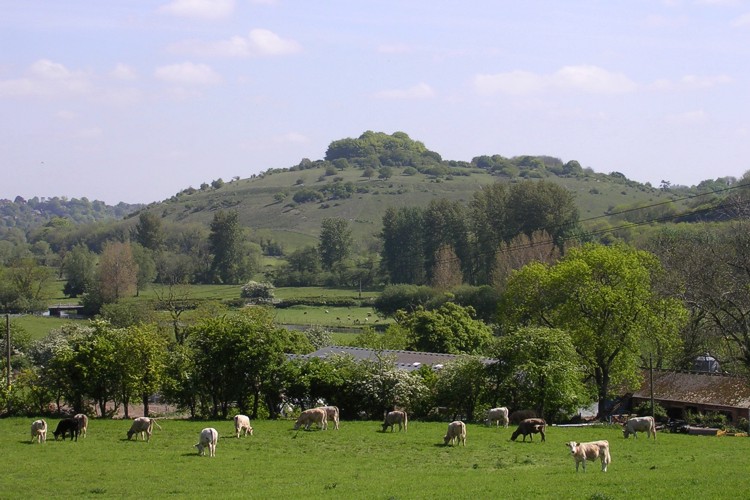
(359, 461)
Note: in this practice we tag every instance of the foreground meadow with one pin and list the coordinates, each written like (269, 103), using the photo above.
(360, 462)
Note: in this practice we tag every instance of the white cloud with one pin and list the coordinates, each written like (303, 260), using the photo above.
(123, 72)
(419, 91)
(592, 79)
(691, 82)
(188, 73)
(266, 43)
(49, 79)
(199, 9)
(258, 43)
(585, 78)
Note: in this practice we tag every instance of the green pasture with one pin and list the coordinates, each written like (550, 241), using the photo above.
(359, 461)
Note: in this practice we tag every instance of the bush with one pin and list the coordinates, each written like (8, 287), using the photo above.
(257, 290)
(644, 409)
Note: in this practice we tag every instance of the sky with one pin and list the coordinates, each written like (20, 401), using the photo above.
(136, 100)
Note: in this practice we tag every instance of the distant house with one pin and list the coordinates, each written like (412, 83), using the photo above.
(405, 360)
(679, 392)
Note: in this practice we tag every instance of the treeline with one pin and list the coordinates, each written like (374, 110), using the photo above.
(28, 214)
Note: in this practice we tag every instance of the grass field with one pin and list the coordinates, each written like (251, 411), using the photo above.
(360, 462)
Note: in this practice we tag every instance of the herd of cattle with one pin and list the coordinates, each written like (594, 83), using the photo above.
(143, 426)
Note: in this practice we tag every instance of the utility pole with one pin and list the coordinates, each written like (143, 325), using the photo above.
(651, 377)
(7, 343)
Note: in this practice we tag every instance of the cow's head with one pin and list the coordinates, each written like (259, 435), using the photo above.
(573, 446)
(130, 434)
(625, 432)
(200, 448)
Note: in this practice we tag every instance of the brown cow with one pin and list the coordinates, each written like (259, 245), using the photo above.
(529, 427)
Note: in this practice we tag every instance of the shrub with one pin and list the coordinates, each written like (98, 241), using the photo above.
(644, 409)
(257, 290)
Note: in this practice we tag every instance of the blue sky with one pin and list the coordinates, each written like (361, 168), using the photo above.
(135, 100)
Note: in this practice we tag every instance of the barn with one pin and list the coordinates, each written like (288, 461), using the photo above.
(679, 392)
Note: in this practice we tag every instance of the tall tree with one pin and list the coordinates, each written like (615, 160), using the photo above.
(148, 231)
(117, 275)
(445, 222)
(606, 298)
(79, 267)
(335, 241)
(541, 205)
(446, 272)
(488, 213)
(539, 370)
(403, 256)
(226, 243)
(450, 329)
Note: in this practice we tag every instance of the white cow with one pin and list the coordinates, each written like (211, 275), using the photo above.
(497, 416)
(143, 425)
(83, 423)
(396, 417)
(39, 431)
(590, 451)
(312, 416)
(332, 413)
(242, 425)
(456, 432)
(208, 438)
(639, 424)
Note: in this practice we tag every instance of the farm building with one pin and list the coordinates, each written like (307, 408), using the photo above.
(404, 360)
(679, 392)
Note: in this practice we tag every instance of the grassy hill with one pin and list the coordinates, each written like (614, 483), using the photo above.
(258, 200)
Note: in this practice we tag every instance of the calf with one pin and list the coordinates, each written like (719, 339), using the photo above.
(332, 413)
(143, 426)
(639, 424)
(529, 427)
(456, 432)
(312, 416)
(396, 417)
(208, 438)
(83, 423)
(590, 451)
(498, 415)
(242, 425)
(39, 431)
(67, 425)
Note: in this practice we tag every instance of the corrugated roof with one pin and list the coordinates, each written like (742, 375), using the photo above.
(697, 388)
(405, 360)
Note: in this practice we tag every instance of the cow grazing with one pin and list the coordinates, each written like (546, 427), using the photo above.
(39, 431)
(208, 438)
(332, 412)
(590, 451)
(83, 423)
(456, 432)
(639, 424)
(396, 417)
(312, 416)
(242, 425)
(529, 427)
(65, 426)
(143, 426)
(498, 416)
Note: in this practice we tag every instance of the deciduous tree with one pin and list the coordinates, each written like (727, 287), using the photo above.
(606, 299)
